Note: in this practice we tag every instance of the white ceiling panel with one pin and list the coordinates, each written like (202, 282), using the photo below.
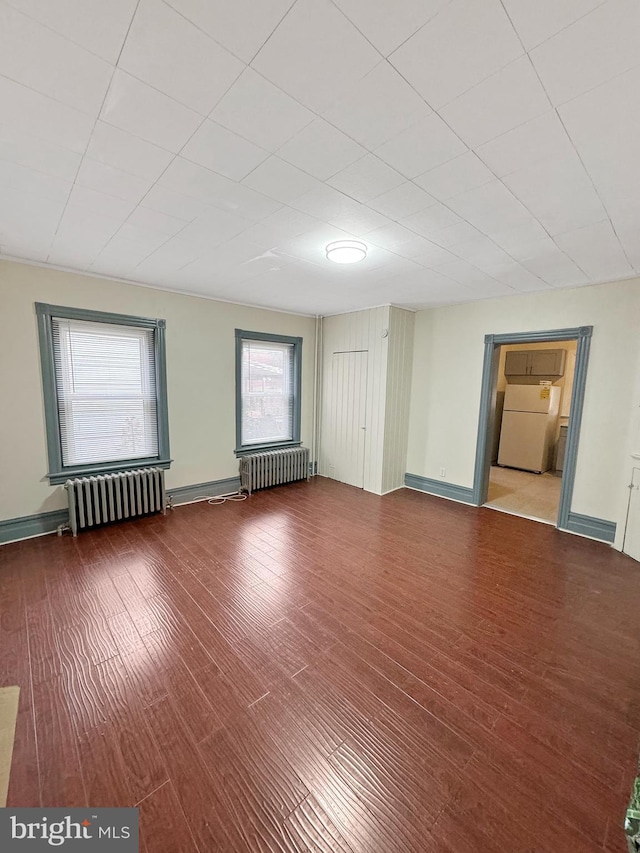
(169, 257)
(402, 201)
(431, 220)
(284, 224)
(167, 201)
(604, 125)
(241, 26)
(136, 141)
(169, 53)
(463, 173)
(596, 250)
(543, 138)
(399, 239)
(260, 112)
(222, 151)
(573, 202)
(93, 24)
(213, 228)
(423, 146)
(279, 180)
(143, 111)
(321, 150)
(457, 49)
(23, 179)
(510, 97)
(536, 22)
(37, 57)
(378, 107)
(33, 114)
(591, 51)
(521, 241)
(112, 182)
(366, 178)
(152, 221)
(25, 150)
(196, 182)
(315, 53)
(28, 221)
(81, 237)
(116, 148)
(387, 25)
(490, 207)
(95, 203)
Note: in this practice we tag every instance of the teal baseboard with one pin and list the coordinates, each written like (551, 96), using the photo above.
(596, 528)
(439, 488)
(13, 529)
(186, 494)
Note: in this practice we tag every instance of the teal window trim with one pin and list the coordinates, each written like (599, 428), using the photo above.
(492, 343)
(243, 335)
(59, 473)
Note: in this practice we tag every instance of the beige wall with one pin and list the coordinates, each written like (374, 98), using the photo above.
(200, 375)
(447, 372)
(399, 363)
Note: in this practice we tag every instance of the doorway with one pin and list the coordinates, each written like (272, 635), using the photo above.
(344, 434)
(490, 415)
(529, 434)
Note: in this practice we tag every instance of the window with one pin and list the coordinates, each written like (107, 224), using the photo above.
(267, 391)
(104, 387)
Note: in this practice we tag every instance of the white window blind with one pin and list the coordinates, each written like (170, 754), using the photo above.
(267, 392)
(106, 389)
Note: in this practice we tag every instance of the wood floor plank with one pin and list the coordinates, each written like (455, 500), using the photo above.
(322, 669)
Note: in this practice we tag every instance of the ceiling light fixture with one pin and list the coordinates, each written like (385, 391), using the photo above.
(346, 251)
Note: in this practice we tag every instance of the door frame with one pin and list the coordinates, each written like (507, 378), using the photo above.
(486, 419)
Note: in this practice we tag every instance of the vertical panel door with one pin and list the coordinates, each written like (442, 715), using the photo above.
(345, 422)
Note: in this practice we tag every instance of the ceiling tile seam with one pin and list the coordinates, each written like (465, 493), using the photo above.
(358, 30)
(291, 5)
(95, 122)
(204, 32)
(598, 85)
(421, 27)
(562, 29)
(65, 37)
(174, 158)
(48, 97)
(597, 192)
(31, 168)
(483, 81)
(573, 145)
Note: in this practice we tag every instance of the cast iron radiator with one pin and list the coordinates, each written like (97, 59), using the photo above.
(260, 470)
(113, 497)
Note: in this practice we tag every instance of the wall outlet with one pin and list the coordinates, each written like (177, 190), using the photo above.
(443, 472)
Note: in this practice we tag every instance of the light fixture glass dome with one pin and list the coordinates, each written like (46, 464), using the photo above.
(346, 251)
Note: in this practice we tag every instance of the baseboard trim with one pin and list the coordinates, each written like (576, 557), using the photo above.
(215, 488)
(28, 526)
(594, 528)
(462, 494)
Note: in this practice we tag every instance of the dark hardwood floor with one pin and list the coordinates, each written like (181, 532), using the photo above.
(321, 669)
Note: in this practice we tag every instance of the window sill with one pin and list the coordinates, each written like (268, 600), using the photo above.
(60, 477)
(264, 448)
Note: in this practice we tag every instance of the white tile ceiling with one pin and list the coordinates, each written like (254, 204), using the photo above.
(479, 147)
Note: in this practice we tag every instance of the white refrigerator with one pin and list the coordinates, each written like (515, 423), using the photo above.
(529, 422)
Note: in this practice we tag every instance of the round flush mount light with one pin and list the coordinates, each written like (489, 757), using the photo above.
(346, 251)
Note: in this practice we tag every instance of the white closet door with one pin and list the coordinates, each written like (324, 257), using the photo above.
(345, 433)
